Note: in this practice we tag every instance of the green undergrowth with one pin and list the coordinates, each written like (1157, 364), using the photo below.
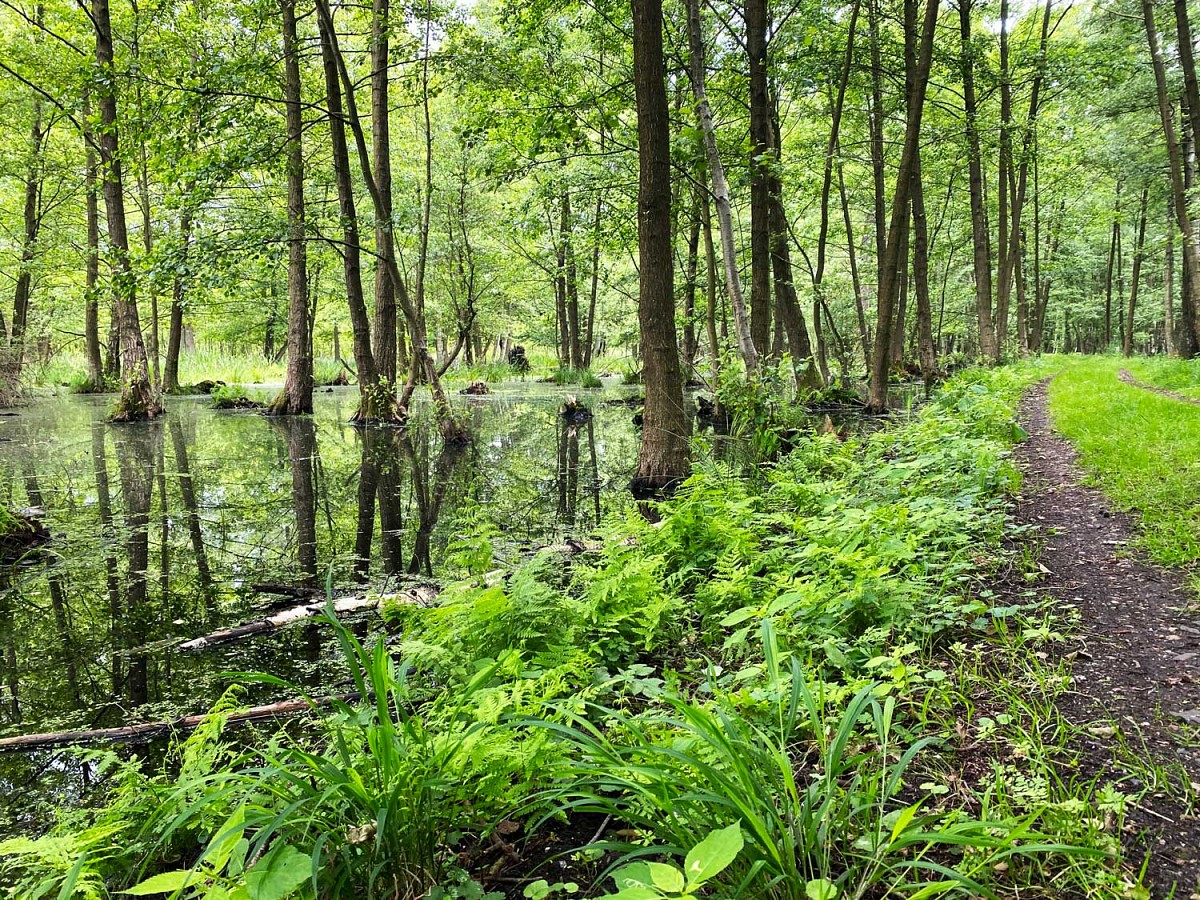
(1140, 448)
(762, 694)
(1179, 375)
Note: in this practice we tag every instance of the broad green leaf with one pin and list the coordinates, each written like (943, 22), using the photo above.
(713, 854)
(278, 873)
(163, 883)
(665, 877)
(821, 889)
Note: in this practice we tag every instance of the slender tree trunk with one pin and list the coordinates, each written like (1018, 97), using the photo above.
(756, 17)
(178, 296)
(1169, 281)
(1113, 251)
(91, 324)
(720, 191)
(875, 128)
(384, 332)
(139, 399)
(1004, 261)
(1166, 114)
(663, 458)
(864, 333)
(877, 398)
(808, 377)
(32, 219)
(571, 279)
(1136, 274)
(980, 235)
(375, 400)
(296, 397)
(691, 271)
(710, 290)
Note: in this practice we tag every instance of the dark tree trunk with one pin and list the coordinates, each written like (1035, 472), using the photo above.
(756, 16)
(384, 334)
(1136, 274)
(91, 322)
(894, 262)
(980, 236)
(663, 458)
(32, 218)
(1191, 252)
(139, 400)
(376, 401)
(178, 295)
(296, 397)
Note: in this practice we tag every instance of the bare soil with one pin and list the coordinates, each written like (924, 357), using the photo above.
(1136, 654)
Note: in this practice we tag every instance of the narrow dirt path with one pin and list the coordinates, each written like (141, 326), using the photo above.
(1126, 376)
(1138, 652)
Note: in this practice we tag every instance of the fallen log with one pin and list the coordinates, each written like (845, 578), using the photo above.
(421, 594)
(146, 731)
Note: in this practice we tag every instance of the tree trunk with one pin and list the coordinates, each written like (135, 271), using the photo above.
(1113, 250)
(1190, 250)
(296, 397)
(91, 323)
(1136, 274)
(663, 458)
(571, 277)
(864, 333)
(139, 399)
(384, 333)
(1169, 281)
(32, 219)
(691, 271)
(980, 236)
(375, 400)
(756, 17)
(178, 295)
(877, 399)
(720, 190)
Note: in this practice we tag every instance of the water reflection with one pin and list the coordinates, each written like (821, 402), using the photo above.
(160, 532)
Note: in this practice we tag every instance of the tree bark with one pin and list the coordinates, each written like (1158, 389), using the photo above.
(980, 236)
(178, 296)
(663, 457)
(1166, 114)
(877, 398)
(376, 401)
(139, 399)
(756, 17)
(296, 397)
(720, 191)
(1136, 274)
(1169, 281)
(384, 333)
(91, 322)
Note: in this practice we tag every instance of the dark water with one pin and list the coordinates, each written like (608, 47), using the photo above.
(160, 530)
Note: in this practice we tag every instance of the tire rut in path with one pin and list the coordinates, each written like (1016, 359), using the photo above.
(1137, 650)
(1124, 375)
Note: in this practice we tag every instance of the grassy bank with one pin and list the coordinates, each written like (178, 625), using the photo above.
(1179, 375)
(796, 684)
(1140, 448)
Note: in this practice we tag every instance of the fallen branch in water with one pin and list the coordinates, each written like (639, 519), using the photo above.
(146, 731)
(421, 594)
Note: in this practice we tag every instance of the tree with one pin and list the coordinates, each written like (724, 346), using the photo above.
(296, 396)
(663, 458)
(139, 399)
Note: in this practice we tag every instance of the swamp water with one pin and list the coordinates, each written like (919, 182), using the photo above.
(160, 530)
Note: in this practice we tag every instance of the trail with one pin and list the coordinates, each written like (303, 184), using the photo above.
(1127, 377)
(1138, 651)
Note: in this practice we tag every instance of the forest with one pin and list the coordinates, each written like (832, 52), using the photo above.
(643, 449)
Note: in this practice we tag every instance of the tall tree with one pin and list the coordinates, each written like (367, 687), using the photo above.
(663, 458)
(139, 399)
(894, 263)
(296, 396)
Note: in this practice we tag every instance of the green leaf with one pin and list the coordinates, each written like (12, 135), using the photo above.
(278, 873)
(821, 889)
(665, 877)
(713, 854)
(633, 875)
(636, 892)
(164, 883)
(537, 889)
